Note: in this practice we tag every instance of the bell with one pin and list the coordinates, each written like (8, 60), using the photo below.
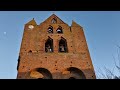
(50, 50)
(62, 48)
(50, 30)
(58, 30)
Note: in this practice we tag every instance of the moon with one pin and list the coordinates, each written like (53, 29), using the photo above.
(4, 33)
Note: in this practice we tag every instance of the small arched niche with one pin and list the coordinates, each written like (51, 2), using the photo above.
(54, 20)
(50, 29)
(59, 30)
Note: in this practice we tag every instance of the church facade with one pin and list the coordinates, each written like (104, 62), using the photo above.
(54, 50)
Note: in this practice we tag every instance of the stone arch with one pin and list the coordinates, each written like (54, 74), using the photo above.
(75, 73)
(41, 73)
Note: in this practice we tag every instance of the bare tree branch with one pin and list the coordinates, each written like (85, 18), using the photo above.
(109, 74)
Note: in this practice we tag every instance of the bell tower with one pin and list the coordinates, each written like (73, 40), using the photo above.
(54, 50)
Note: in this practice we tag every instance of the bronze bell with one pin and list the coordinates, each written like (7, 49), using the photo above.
(62, 48)
(48, 48)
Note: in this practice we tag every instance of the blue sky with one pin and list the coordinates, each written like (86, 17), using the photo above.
(101, 28)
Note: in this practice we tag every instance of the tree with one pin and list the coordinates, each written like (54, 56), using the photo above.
(109, 74)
